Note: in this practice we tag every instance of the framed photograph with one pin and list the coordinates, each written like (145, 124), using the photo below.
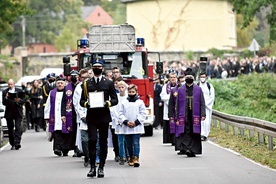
(96, 99)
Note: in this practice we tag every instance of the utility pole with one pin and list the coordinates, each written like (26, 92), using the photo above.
(23, 24)
(24, 52)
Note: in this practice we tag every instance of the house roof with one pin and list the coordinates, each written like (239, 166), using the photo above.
(86, 10)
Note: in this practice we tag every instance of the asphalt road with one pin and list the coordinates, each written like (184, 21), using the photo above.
(36, 163)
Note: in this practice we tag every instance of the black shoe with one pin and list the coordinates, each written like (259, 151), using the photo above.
(58, 153)
(17, 147)
(100, 172)
(122, 161)
(65, 154)
(203, 138)
(75, 155)
(37, 128)
(86, 162)
(13, 148)
(117, 159)
(181, 152)
(190, 153)
(92, 172)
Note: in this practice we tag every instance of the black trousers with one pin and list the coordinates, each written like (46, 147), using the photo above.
(92, 136)
(158, 112)
(115, 142)
(14, 134)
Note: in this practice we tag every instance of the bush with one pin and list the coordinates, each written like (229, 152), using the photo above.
(250, 95)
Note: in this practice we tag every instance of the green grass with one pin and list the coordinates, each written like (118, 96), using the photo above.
(245, 145)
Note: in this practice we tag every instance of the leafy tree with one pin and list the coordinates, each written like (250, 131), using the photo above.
(46, 24)
(70, 33)
(10, 11)
(245, 35)
(249, 8)
(91, 2)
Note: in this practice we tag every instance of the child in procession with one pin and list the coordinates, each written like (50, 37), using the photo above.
(119, 127)
(132, 115)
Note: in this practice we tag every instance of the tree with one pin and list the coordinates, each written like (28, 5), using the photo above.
(245, 35)
(249, 8)
(70, 33)
(10, 11)
(48, 21)
(91, 2)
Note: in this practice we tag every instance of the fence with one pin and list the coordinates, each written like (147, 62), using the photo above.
(241, 124)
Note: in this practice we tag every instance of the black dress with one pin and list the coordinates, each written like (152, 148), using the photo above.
(36, 113)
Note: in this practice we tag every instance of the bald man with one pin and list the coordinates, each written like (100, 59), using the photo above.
(13, 114)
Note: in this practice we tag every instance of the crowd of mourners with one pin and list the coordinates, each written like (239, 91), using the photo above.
(226, 67)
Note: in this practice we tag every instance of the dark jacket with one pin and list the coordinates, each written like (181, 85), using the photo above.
(99, 115)
(157, 91)
(45, 91)
(13, 109)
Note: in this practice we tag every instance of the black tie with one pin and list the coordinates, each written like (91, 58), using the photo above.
(98, 80)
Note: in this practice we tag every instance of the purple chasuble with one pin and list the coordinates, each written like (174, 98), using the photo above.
(173, 125)
(181, 105)
(67, 126)
(69, 107)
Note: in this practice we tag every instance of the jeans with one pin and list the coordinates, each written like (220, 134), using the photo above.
(84, 142)
(123, 152)
(133, 144)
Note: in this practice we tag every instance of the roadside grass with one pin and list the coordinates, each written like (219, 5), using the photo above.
(4, 142)
(245, 145)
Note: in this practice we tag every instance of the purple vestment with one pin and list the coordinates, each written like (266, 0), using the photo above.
(67, 126)
(181, 114)
(173, 125)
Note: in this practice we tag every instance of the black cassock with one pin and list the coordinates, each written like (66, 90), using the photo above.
(64, 142)
(188, 140)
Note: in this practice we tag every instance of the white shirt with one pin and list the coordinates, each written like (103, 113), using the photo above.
(132, 111)
(80, 111)
(119, 128)
(165, 98)
(12, 90)
(209, 95)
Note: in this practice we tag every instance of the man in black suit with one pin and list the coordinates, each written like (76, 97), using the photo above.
(158, 104)
(98, 117)
(13, 114)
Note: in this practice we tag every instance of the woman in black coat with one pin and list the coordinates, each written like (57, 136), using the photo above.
(36, 105)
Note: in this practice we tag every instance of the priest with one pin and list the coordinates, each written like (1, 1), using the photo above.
(189, 109)
(58, 114)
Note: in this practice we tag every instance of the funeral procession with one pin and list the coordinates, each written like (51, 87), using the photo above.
(137, 91)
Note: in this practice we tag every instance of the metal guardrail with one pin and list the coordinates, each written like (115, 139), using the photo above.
(240, 124)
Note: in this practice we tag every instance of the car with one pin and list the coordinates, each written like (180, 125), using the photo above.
(28, 78)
